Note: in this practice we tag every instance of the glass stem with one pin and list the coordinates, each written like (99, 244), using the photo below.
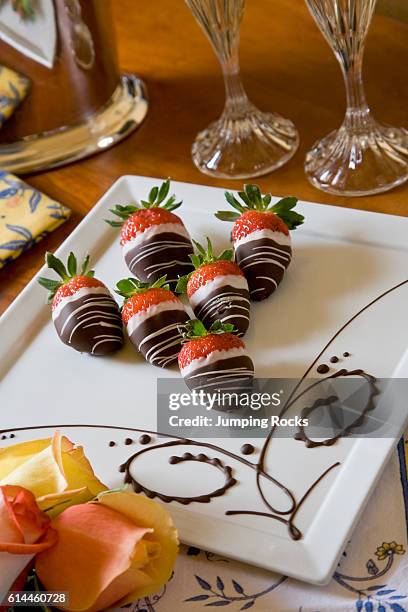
(358, 113)
(236, 100)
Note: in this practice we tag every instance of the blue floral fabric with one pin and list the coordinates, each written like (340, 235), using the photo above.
(26, 216)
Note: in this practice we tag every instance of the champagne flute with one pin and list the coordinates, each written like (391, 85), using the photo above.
(363, 157)
(244, 142)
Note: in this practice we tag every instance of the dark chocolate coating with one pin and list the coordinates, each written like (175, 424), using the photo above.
(164, 254)
(163, 348)
(91, 324)
(228, 305)
(263, 262)
(230, 374)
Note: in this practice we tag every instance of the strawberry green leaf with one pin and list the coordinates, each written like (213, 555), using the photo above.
(114, 223)
(206, 256)
(199, 247)
(253, 200)
(210, 252)
(226, 255)
(85, 263)
(246, 200)
(254, 195)
(56, 264)
(195, 260)
(195, 329)
(284, 209)
(181, 286)
(233, 202)
(72, 264)
(153, 194)
(226, 215)
(123, 212)
(48, 283)
(51, 285)
(221, 328)
(131, 286)
(164, 191)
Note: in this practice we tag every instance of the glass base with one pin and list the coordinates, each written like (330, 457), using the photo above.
(245, 146)
(120, 116)
(359, 162)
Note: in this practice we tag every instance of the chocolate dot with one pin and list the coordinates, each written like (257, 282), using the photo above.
(144, 439)
(4, 437)
(323, 368)
(128, 441)
(122, 468)
(346, 354)
(173, 460)
(187, 456)
(112, 443)
(12, 436)
(247, 449)
(334, 359)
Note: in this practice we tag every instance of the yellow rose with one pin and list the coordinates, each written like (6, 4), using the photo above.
(110, 552)
(54, 470)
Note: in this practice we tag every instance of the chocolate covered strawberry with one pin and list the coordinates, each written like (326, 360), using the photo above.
(154, 240)
(152, 315)
(217, 289)
(85, 315)
(214, 359)
(261, 238)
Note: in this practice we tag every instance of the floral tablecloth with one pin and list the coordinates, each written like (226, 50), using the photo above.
(372, 575)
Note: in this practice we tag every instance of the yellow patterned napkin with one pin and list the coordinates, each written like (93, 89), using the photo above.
(13, 90)
(26, 216)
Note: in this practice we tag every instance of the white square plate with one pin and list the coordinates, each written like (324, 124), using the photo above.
(343, 260)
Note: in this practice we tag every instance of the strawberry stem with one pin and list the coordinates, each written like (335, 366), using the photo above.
(65, 272)
(252, 199)
(202, 258)
(194, 329)
(155, 199)
(131, 286)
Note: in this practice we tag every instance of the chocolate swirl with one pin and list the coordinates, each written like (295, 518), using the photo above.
(263, 261)
(228, 373)
(160, 254)
(89, 321)
(205, 498)
(221, 301)
(157, 335)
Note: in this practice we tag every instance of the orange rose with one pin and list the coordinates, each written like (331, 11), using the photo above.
(24, 532)
(109, 552)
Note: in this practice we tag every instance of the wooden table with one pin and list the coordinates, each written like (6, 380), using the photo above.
(287, 67)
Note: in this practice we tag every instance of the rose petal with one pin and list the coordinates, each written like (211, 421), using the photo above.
(57, 472)
(36, 470)
(147, 513)
(30, 520)
(9, 527)
(94, 541)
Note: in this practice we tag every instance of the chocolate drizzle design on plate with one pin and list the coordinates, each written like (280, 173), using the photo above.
(302, 436)
(174, 460)
(285, 517)
(247, 449)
